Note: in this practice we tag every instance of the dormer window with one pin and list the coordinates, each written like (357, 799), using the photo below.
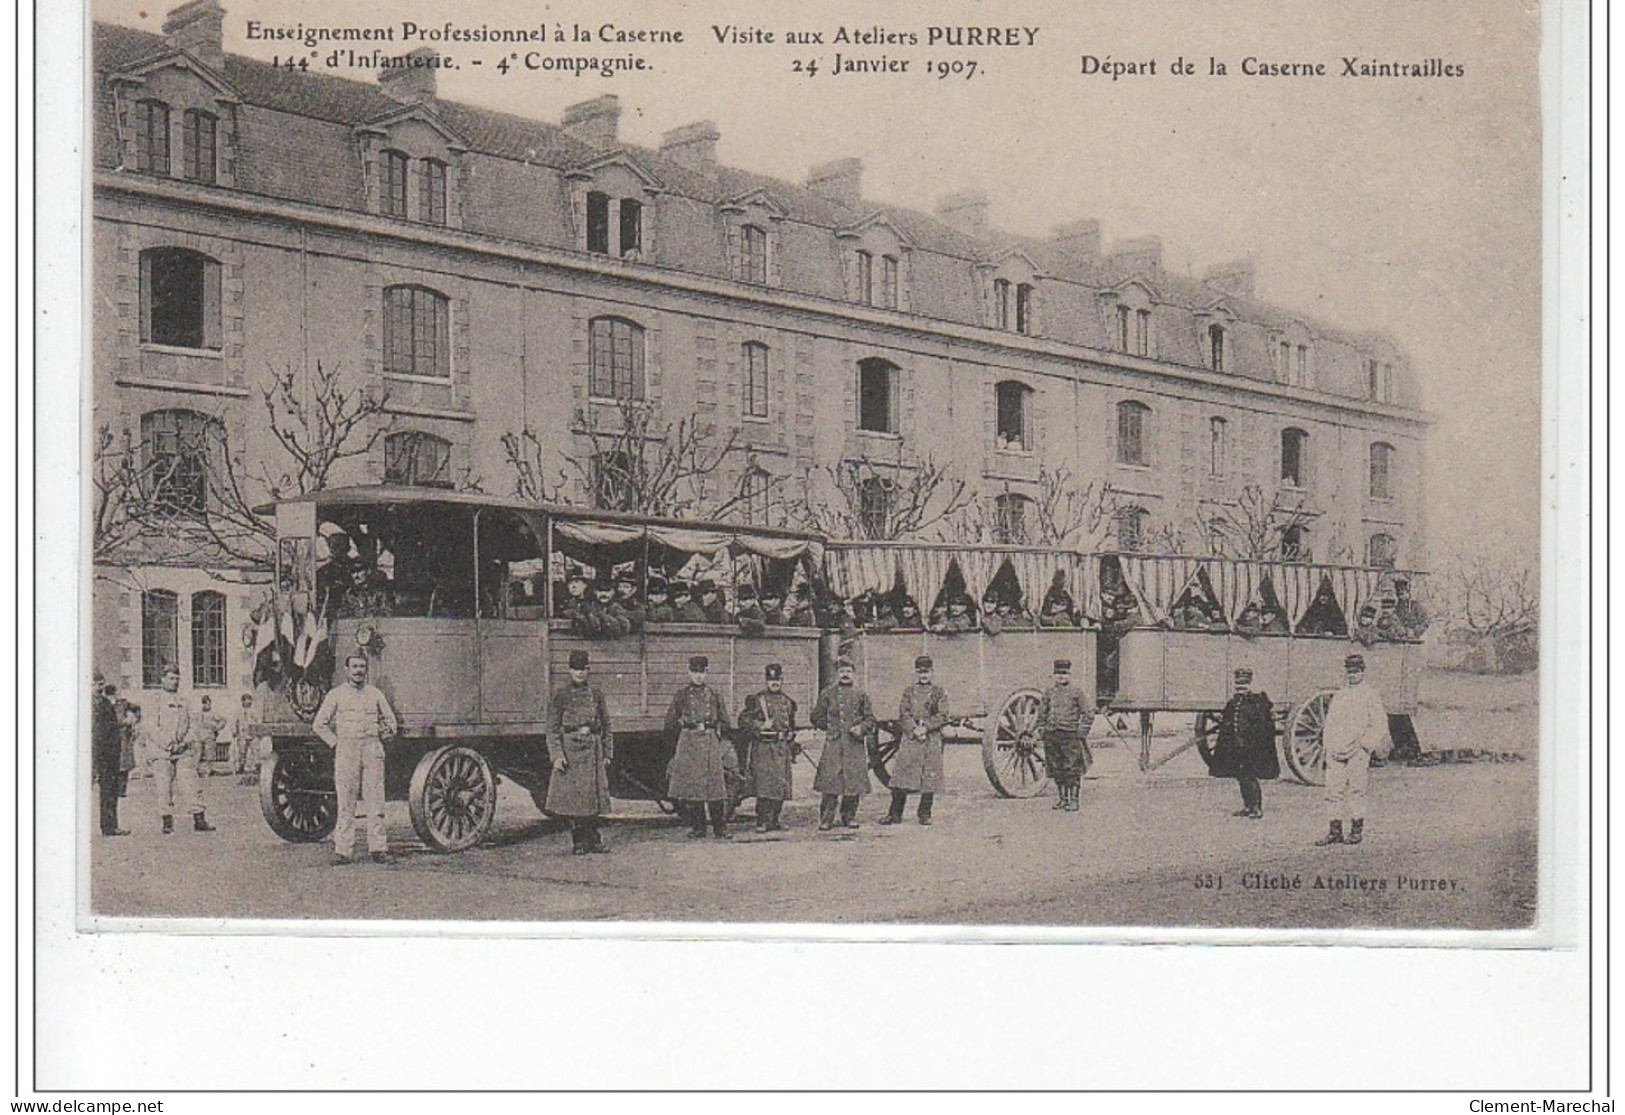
(1009, 291)
(875, 254)
(1001, 303)
(152, 137)
(598, 222)
(631, 227)
(1131, 326)
(888, 282)
(752, 254)
(432, 192)
(1379, 381)
(392, 198)
(1295, 356)
(866, 278)
(199, 130)
(622, 215)
(1215, 347)
(751, 225)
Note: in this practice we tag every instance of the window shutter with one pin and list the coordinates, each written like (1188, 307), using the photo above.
(146, 297)
(895, 411)
(211, 305)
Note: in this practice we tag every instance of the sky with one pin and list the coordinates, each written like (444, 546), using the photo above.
(1406, 205)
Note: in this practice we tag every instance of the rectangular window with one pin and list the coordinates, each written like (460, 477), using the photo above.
(152, 137)
(1303, 366)
(598, 222)
(432, 192)
(1142, 332)
(753, 255)
(616, 360)
(198, 146)
(631, 226)
(1215, 342)
(208, 639)
(392, 198)
(160, 636)
(866, 278)
(877, 397)
(1284, 373)
(1218, 430)
(1001, 303)
(1024, 308)
(1013, 428)
(180, 299)
(417, 333)
(1131, 434)
(1124, 315)
(888, 282)
(755, 361)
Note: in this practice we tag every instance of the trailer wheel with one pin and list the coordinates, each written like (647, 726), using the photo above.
(1206, 734)
(883, 749)
(1012, 753)
(453, 799)
(297, 797)
(1303, 743)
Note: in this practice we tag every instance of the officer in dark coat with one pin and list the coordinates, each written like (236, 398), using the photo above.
(768, 722)
(697, 776)
(847, 718)
(1064, 719)
(921, 715)
(582, 747)
(684, 610)
(106, 750)
(660, 609)
(1245, 749)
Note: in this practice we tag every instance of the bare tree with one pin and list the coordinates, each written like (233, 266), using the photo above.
(1061, 515)
(186, 498)
(1492, 607)
(883, 501)
(638, 463)
(1253, 526)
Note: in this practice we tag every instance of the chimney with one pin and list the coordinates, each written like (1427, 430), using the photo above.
(841, 180)
(596, 121)
(413, 83)
(1143, 253)
(693, 146)
(196, 27)
(966, 210)
(1235, 277)
(1080, 240)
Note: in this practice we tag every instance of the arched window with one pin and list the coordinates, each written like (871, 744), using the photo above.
(1295, 543)
(180, 298)
(160, 637)
(417, 459)
(1010, 518)
(1218, 431)
(208, 639)
(417, 332)
(615, 359)
(198, 132)
(1215, 347)
(1132, 419)
(392, 189)
(1382, 459)
(1382, 551)
(178, 447)
(753, 254)
(1013, 422)
(1294, 457)
(874, 506)
(878, 386)
(753, 368)
(151, 137)
(1129, 526)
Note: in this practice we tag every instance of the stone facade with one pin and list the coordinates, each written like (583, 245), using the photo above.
(328, 194)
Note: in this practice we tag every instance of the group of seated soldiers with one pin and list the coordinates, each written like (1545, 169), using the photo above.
(612, 607)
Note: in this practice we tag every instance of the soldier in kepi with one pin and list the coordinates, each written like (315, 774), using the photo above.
(847, 718)
(1064, 719)
(174, 756)
(697, 776)
(582, 746)
(1245, 748)
(921, 716)
(769, 723)
(1356, 728)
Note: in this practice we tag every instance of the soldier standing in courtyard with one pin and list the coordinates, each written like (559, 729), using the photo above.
(921, 716)
(1356, 728)
(769, 719)
(354, 720)
(844, 713)
(697, 776)
(174, 756)
(106, 770)
(1064, 719)
(582, 746)
(1245, 748)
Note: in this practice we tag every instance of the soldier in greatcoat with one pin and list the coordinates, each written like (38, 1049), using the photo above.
(847, 718)
(1064, 719)
(769, 724)
(684, 610)
(697, 776)
(105, 752)
(582, 746)
(1245, 748)
(660, 609)
(921, 716)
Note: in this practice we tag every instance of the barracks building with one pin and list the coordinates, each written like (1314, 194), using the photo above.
(495, 273)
